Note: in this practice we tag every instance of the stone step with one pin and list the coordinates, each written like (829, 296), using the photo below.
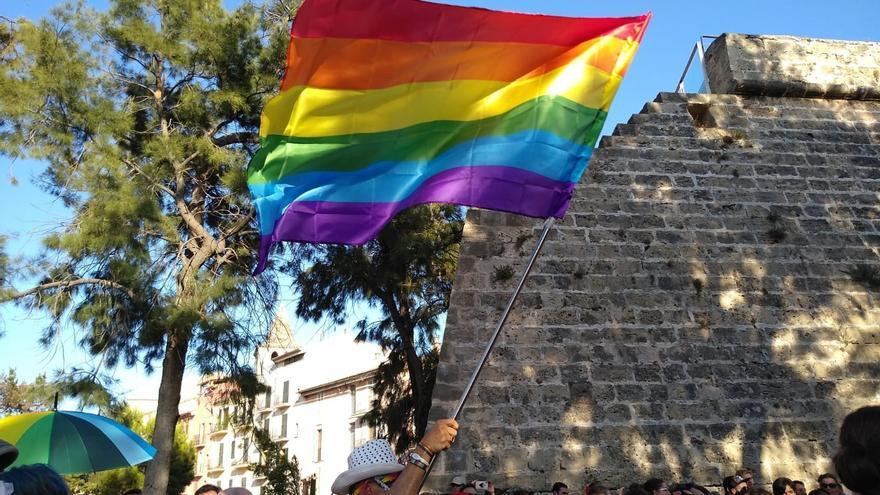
(735, 143)
(661, 118)
(753, 134)
(779, 107)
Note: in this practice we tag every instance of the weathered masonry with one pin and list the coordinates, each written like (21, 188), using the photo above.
(711, 300)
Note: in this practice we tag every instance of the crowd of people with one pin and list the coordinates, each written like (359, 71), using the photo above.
(741, 483)
(375, 470)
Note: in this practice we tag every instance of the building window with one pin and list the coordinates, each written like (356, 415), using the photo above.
(268, 396)
(319, 439)
(266, 425)
(243, 482)
(232, 449)
(351, 433)
(284, 426)
(362, 400)
(220, 457)
(285, 393)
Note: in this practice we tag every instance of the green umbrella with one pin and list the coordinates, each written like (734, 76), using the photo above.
(73, 442)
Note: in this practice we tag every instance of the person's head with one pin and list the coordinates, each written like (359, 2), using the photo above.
(656, 486)
(372, 469)
(8, 454)
(208, 490)
(783, 486)
(799, 487)
(457, 484)
(858, 458)
(818, 491)
(598, 489)
(559, 488)
(236, 491)
(734, 485)
(35, 479)
(133, 491)
(747, 476)
(831, 484)
(757, 490)
(635, 489)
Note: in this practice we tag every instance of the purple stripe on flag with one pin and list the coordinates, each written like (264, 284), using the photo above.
(496, 188)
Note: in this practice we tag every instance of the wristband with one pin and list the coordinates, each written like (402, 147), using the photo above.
(426, 449)
(419, 461)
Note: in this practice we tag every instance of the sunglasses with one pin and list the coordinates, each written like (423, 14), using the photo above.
(830, 485)
(385, 481)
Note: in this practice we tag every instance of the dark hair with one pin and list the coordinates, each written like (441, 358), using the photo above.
(798, 482)
(828, 475)
(818, 491)
(636, 489)
(730, 482)
(557, 486)
(780, 484)
(757, 490)
(208, 488)
(652, 484)
(597, 489)
(858, 459)
(741, 471)
(35, 479)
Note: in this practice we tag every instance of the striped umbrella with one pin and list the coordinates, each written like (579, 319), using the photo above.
(74, 442)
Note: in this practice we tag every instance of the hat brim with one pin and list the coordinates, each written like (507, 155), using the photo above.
(8, 454)
(345, 480)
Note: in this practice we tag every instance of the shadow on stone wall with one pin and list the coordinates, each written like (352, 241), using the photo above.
(692, 313)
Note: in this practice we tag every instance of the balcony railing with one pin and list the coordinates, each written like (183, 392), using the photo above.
(215, 465)
(218, 429)
(244, 461)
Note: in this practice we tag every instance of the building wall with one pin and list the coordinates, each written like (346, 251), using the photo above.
(706, 303)
(338, 372)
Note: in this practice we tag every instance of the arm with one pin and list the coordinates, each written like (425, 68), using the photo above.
(438, 438)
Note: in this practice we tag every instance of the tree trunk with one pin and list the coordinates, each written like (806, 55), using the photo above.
(156, 479)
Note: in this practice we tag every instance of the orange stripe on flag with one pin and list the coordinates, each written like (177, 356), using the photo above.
(335, 63)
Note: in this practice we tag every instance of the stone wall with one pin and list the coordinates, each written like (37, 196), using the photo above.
(706, 303)
(792, 66)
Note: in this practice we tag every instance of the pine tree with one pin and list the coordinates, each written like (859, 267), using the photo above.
(146, 116)
(281, 473)
(407, 273)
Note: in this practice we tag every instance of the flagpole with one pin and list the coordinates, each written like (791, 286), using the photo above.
(548, 224)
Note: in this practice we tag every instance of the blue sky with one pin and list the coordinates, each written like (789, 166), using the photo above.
(674, 29)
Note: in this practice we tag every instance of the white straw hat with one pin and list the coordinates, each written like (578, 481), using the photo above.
(373, 458)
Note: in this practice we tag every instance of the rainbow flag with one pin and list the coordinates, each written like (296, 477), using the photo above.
(387, 104)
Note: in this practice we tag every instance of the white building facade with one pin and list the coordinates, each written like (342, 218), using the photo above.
(313, 410)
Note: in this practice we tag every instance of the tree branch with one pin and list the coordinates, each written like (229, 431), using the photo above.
(65, 284)
(242, 137)
(132, 165)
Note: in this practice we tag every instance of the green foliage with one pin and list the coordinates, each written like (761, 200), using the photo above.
(406, 273)
(145, 116)
(281, 473)
(17, 397)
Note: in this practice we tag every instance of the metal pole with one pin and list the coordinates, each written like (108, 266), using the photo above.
(548, 224)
